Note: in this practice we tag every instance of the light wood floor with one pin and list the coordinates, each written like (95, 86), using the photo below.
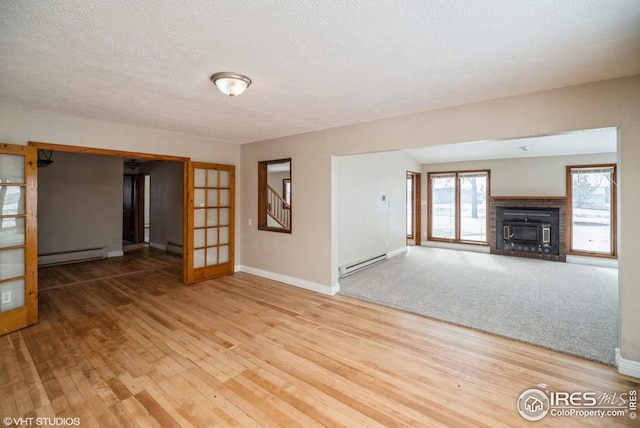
(124, 344)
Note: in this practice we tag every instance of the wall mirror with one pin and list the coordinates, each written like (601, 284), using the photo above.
(274, 195)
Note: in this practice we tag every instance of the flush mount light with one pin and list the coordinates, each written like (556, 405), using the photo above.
(44, 158)
(133, 164)
(231, 84)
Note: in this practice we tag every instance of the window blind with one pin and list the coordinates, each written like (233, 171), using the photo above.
(472, 174)
(593, 170)
(443, 175)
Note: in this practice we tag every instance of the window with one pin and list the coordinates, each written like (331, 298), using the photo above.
(274, 207)
(458, 206)
(591, 191)
(286, 190)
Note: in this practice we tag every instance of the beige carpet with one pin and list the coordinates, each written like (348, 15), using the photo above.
(566, 307)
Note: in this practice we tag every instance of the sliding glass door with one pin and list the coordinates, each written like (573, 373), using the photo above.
(442, 206)
(458, 204)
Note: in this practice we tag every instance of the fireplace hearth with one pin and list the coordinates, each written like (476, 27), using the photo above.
(531, 227)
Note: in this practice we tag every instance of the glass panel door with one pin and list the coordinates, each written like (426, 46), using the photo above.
(18, 252)
(210, 221)
(473, 207)
(443, 206)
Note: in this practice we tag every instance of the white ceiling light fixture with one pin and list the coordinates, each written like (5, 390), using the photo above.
(229, 83)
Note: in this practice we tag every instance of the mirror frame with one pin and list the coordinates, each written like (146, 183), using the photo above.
(263, 197)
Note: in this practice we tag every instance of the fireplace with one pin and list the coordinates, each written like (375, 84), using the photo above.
(528, 230)
(528, 227)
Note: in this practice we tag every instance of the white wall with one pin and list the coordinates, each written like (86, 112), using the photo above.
(80, 203)
(367, 225)
(166, 199)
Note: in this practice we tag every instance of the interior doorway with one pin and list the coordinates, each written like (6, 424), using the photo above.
(208, 241)
(116, 199)
(128, 210)
(146, 225)
(413, 208)
(136, 208)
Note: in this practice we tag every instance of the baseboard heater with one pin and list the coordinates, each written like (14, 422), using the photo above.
(174, 248)
(72, 256)
(354, 267)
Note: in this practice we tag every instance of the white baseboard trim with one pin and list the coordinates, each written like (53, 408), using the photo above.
(118, 253)
(158, 246)
(302, 283)
(593, 261)
(397, 252)
(456, 246)
(627, 367)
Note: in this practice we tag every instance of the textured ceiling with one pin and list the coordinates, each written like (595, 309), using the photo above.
(315, 64)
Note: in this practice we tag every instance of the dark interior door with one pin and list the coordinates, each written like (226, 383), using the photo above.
(129, 209)
(139, 208)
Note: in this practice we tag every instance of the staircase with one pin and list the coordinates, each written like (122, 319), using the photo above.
(278, 209)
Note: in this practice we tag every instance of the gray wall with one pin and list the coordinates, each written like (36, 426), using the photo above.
(165, 202)
(80, 203)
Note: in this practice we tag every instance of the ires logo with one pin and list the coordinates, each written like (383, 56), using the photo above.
(534, 404)
(574, 399)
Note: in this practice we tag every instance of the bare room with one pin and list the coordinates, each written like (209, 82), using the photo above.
(356, 213)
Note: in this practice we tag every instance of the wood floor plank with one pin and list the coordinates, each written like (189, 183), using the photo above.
(100, 411)
(156, 410)
(122, 343)
(184, 402)
(8, 403)
(210, 390)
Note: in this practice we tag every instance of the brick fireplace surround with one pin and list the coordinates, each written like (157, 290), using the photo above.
(559, 202)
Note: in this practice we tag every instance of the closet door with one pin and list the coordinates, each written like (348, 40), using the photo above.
(18, 240)
(210, 221)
